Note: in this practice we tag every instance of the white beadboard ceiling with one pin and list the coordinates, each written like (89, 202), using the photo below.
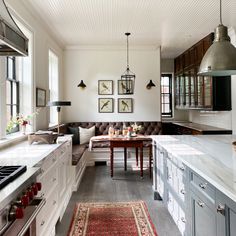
(172, 24)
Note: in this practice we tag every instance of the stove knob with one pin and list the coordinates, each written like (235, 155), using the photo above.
(16, 213)
(35, 189)
(25, 200)
(30, 193)
(39, 185)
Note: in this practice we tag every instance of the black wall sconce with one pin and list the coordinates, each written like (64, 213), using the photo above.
(150, 85)
(82, 84)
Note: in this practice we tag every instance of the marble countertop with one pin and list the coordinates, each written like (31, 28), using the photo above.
(199, 127)
(23, 154)
(211, 156)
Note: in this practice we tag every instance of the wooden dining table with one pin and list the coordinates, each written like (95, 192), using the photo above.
(132, 142)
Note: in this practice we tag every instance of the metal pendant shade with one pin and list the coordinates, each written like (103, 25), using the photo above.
(220, 58)
(128, 77)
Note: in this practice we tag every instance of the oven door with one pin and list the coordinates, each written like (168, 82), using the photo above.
(27, 225)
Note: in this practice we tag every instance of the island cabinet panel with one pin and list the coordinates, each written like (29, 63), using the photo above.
(204, 222)
(199, 92)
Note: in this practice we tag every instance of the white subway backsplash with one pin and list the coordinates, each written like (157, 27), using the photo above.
(221, 119)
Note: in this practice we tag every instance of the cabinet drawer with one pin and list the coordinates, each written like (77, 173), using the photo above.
(48, 180)
(202, 187)
(49, 161)
(44, 217)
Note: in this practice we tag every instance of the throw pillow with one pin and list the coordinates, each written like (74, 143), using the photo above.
(75, 132)
(86, 134)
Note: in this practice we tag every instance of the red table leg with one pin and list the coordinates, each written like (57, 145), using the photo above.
(111, 160)
(136, 156)
(141, 161)
(125, 158)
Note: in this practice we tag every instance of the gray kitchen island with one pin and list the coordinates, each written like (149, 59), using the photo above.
(195, 176)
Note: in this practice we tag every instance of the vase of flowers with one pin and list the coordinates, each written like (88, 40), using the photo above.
(136, 128)
(20, 120)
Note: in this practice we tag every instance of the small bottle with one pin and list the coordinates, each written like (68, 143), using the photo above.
(111, 131)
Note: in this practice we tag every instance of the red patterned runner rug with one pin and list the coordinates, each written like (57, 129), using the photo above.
(112, 219)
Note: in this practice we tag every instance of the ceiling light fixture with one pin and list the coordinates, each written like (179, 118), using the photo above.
(220, 58)
(128, 77)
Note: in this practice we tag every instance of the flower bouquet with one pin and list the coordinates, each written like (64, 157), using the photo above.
(136, 127)
(20, 120)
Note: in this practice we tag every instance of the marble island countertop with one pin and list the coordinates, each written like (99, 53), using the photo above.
(211, 156)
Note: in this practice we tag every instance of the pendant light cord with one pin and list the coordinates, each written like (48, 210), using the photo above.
(221, 12)
(127, 52)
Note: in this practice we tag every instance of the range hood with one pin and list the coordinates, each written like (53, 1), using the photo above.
(12, 41)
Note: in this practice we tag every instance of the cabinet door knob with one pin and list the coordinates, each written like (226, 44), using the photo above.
(183, 191)
(42, 223)
(182, 168)
(221, 209)
(203, 186)
(183, 219)
(201, 204)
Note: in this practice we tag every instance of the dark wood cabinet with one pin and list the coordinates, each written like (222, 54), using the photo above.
(198, 92)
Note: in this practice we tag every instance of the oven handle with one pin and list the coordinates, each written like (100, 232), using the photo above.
(33, 216)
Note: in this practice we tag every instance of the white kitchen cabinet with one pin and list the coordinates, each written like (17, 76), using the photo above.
(56, 188)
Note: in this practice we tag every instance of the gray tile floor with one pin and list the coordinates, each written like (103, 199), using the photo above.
(97, 186)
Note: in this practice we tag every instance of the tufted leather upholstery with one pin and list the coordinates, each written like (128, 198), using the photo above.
(101, 128)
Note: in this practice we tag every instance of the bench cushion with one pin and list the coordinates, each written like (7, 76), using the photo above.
(77, 152)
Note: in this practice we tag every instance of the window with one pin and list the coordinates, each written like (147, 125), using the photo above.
(166, 95)
(53, 85)
(12, 90)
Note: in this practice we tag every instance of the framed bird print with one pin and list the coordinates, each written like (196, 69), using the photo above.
(125, 105)
(105, 87)
(105, 105)
(124, 87)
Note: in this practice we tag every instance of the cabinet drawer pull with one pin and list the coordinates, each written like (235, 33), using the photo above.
(54, 179)
(183, 219)
(183, 191)
(221, 209)
(182, 168)
(42, 195)
(203, 186)
(201, 204)
(42, 223)
(169, 177)
(54, 202)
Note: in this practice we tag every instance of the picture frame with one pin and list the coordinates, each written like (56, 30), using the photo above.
(122, 87)
(105, 87)
(40, 97)
(125, 105)
(105, 105)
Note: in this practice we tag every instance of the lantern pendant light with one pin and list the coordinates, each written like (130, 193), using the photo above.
(128, 78)
(220, 58)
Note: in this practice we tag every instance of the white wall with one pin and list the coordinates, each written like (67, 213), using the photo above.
(92, 65)
(42, 42)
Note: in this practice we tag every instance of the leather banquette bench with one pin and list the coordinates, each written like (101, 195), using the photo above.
(101, 128)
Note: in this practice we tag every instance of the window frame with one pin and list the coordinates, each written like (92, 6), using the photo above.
(13, 81)
(167, 114)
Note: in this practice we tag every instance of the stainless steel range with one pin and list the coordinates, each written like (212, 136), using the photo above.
(19, 204)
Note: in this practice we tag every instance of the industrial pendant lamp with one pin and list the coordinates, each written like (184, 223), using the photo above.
(128, 78)
(220, 58)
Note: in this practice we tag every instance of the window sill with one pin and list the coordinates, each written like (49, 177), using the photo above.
(12, 139)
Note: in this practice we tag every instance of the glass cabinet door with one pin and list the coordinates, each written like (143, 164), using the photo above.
(200, 91)
(192, 89)
(182, 91)
(177, 92)
(207, 92)
(187, 90)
